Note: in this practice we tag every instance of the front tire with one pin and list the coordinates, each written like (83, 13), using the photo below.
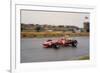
(74, 44)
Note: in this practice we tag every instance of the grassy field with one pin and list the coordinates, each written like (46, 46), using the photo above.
(51, 34)
(84, 58)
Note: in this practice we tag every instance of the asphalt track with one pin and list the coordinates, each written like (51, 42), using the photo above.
(33, 51)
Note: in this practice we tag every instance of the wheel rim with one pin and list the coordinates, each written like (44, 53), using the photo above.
(75, 44)
(57, 46)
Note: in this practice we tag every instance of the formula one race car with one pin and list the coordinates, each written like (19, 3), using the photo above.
(56, 44)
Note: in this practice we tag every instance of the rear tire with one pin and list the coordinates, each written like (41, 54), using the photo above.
(55, 46)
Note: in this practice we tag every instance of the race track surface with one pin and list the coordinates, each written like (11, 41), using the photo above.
(32, 50)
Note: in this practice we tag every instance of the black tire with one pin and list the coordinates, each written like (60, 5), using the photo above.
(55, 46)
(74, 44)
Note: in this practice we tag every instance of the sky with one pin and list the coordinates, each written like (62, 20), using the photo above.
(53, 18)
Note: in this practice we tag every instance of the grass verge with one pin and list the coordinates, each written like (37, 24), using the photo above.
(51, 34)
(84, 58)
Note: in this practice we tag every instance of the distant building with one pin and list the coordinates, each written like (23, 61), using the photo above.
(86, 25)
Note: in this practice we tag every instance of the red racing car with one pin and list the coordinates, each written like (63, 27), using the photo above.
(59, 43)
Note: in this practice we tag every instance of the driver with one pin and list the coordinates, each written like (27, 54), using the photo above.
(67, 37)
(64, 39)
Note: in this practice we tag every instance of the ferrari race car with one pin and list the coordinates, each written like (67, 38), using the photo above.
(59, 43)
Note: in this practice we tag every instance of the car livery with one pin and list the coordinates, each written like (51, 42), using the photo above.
(59, 43)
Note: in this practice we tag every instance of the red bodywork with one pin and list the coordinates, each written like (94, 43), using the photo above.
(59, 42)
